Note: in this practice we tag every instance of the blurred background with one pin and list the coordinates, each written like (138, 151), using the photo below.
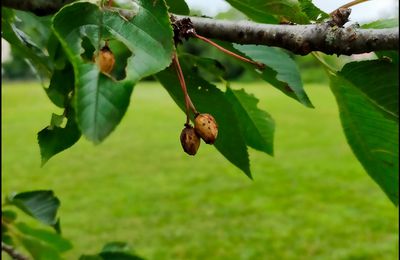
(312, 200)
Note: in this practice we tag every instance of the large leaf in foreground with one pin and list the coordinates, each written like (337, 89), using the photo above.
(209, 99)
(40, 204)
(258, 126)
(264, 11)
(101, 100)
(372, 136)
(281, 71)
(22, 43)
(378, 79)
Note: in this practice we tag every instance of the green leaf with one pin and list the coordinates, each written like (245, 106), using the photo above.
(8, 216)
(23, 44)
(40, 204)
(90, 257)
(118, 251)
(378, 80)
(383, 23)
(207, 67)
(38, 249)
(313, 12)
(37, 27)
(264, 11)
(126, 9)
(6, 238)
(54, 240)
(178, 7)
(101, 100)
(114, 251)
(111, 256)
(392, 56)
(55, 139)
(258, 126)
(281, 71)
(209, 99)
(116, 246)
(372, 137)
(119, 256)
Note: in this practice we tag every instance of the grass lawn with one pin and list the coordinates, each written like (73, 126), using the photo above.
(312, 200)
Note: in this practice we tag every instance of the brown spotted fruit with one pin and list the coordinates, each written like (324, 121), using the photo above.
(206, 127)
(106, 60)
(190, 140)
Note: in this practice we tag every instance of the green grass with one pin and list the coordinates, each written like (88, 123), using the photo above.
(312, 200)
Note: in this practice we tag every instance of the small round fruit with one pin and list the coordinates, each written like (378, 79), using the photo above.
(206, 127)
(106, 60)
(190, 140)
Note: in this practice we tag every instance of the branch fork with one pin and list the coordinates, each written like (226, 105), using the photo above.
(184, 29)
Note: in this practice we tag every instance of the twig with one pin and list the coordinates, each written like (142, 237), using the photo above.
(188, 102)
(259, 65)
(350, 4)
(11, 251)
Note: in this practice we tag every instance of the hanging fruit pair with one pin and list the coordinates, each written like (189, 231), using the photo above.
(205, 127)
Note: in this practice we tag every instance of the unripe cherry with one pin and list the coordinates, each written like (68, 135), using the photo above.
(106, 60)
(206, 127)
(190, 140)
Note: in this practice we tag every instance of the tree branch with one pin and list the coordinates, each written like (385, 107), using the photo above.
(38, 7)
(299, 39)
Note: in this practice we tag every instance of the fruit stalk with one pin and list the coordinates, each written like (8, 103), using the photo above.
(188, 102)
(259, 65)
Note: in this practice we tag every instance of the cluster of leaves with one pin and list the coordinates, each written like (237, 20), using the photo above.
(46, 243)
(140, 34)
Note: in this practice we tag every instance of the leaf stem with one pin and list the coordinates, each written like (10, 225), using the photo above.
(327, 66)
(350, 4)
(188, 102)
(259, 65)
